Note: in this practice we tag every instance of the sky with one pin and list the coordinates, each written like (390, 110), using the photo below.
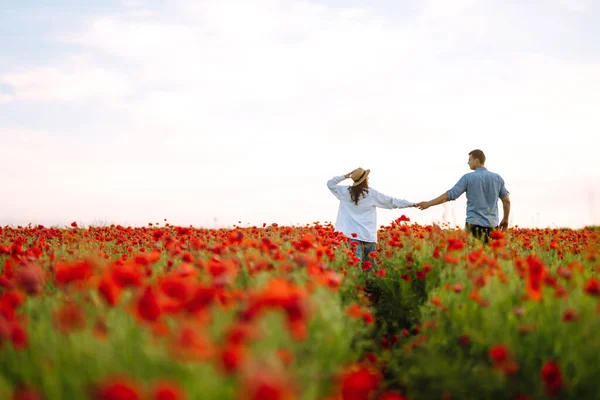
(217, 113)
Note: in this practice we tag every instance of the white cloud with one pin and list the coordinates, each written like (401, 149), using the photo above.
(575, 5)
(241, 110)
(133, 3)
(72, 80)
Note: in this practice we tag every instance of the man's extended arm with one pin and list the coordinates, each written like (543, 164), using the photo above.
(452, 194)
(438, 200)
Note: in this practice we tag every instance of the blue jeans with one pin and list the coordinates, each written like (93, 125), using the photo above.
(363, 249)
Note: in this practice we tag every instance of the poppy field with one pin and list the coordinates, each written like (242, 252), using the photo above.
(287, 312)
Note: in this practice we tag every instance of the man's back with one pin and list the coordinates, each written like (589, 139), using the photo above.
(484, 189)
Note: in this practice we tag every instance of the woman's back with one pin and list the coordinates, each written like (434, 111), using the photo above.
(358, 219)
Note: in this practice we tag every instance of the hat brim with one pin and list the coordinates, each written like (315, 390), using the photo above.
(361, 180)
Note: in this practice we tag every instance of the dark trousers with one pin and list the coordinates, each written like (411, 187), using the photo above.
(480, 232)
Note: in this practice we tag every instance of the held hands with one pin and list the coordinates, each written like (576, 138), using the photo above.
(349, 174)
(424, 205)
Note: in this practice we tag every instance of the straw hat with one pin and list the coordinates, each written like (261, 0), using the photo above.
(359, 175)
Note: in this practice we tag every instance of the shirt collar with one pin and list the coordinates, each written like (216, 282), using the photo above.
(481, 169)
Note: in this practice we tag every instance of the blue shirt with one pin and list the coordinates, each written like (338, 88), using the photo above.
(483, 188)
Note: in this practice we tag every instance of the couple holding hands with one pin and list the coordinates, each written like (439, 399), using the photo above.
(357, 214)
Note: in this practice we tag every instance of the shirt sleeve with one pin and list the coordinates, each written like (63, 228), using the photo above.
(384, 201)
(333, 185)
(458, 189)
(503, 191)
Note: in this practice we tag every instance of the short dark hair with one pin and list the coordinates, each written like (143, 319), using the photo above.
(478, 154)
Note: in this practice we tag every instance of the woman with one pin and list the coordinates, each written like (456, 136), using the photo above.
(357, 214)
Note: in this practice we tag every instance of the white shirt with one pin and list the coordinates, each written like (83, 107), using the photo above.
(361, 219)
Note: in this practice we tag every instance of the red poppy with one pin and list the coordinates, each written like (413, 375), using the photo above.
(565, 273)
(360, 383)
(592, 287)
(192, 345)
(65, 273)
(18, 336)
(232, 358)
(286, 356)
(569, 315)
(118, 389)
(464, 340)
(354, 311)
(535, 277)
(368, 317)
(392, 396)
(166, 390)
(127, 275)
(26, 393)
(455, 244)
(11, 299)
(177, 289)
(499, 353)
(109, 291)
(552, 378)
(30, 279)
(266, 386)
(69, 318)
(202, 297)
(147, 307)
(496, 234)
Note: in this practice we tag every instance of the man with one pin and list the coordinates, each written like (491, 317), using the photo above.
(483, 188)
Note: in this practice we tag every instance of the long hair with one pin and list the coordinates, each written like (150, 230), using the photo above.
(359, 190)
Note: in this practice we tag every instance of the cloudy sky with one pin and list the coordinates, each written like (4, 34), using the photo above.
(210, 112)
